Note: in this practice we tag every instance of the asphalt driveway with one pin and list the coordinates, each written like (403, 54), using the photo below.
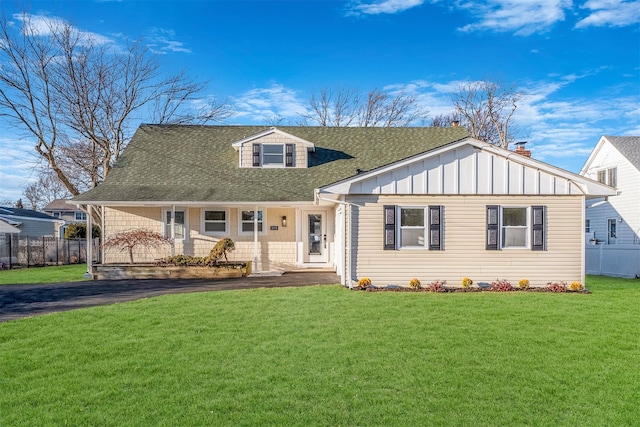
(19, 301)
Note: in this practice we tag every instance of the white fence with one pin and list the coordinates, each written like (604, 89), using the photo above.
(613, 260)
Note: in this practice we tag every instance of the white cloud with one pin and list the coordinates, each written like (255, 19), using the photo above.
(610, 13)
(162, 41)
(524, 17)
(42, 25)
(378, 7)
(261, 104)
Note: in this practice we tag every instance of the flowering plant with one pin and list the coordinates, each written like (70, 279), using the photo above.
(414, 283)
(466, 282)
(523, 284)
(576, 286)
(364, 282)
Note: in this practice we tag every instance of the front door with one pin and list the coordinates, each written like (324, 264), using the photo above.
(611, 232)
(316, 237)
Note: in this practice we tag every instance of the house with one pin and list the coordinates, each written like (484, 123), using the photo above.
(70, 214)
(612, 224)
(385, 203)
(27, 222)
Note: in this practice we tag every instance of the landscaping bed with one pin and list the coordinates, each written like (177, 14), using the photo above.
(155, 271)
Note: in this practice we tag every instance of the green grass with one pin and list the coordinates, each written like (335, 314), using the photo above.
(329, 356)
(62, 273)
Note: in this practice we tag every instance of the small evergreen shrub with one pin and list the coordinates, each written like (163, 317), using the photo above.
(414, 284)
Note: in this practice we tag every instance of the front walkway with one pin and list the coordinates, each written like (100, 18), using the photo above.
(19, 301)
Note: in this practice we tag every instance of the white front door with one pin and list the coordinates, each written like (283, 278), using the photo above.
(315, 237)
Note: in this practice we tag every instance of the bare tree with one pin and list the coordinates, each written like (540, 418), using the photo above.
(485, 108)
(79, 99)
(45, 190)
(341, 107)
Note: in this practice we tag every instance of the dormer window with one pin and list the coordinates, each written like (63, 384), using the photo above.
(274, 155)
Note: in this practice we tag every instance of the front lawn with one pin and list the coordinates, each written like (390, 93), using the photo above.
(329, 356)
(34, 275)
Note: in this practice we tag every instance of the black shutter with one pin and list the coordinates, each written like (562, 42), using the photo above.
(436, 221)
(290, 155)
(256, 154)
(493, 228)
(538, 223)
(389, 227)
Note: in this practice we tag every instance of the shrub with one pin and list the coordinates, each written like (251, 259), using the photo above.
(437, 286)
(79, 231)
(523, 284)
(221, 249)
(129, 240)
(556, 287)
(414, 283)
(364, 282)
(466, 282)
(501, 285)
(576, 286)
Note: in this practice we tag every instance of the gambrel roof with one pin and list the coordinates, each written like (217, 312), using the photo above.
(170, 163)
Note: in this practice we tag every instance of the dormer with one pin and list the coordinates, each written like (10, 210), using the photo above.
(273, 148)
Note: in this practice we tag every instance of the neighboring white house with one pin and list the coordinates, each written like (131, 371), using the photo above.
(612, 224)
(70, 214)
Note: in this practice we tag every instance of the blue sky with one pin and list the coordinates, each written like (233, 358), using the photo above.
(578, 61)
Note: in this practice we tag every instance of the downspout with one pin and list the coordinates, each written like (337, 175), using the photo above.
(102, 256)
(584, 249)
(89, 239)
(173, 230)
(255, 238)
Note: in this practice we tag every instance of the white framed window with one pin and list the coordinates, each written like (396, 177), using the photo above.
(413, 229)
(247, 219)
(180, 225)
(587, 226)
(215, 221)
(80, 216)
(55, 214)
(608, 176)
(514, 227)
(272, 155)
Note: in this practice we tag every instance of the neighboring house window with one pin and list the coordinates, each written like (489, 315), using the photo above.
(611, 231)
(608, 176)
(56, 214)
(80, 216)
(587, 226)
(247, 221)
(418, 227)
(215, 221)
(180, 227)
(516, 227)
(273, 155)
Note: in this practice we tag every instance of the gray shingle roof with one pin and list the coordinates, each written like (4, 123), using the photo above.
(198, 163)
(629, 146)
(9, 212)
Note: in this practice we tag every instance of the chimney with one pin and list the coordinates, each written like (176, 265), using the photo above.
(455, 123)
(520, 149)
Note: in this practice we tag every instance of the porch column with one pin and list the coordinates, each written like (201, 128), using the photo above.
(89, 239)
(255, 238)
(173, 230)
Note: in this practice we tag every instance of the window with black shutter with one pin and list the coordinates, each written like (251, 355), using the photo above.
(493, 228)
(538, 223)
(256, 154)
(389, 227)
(436, 242)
